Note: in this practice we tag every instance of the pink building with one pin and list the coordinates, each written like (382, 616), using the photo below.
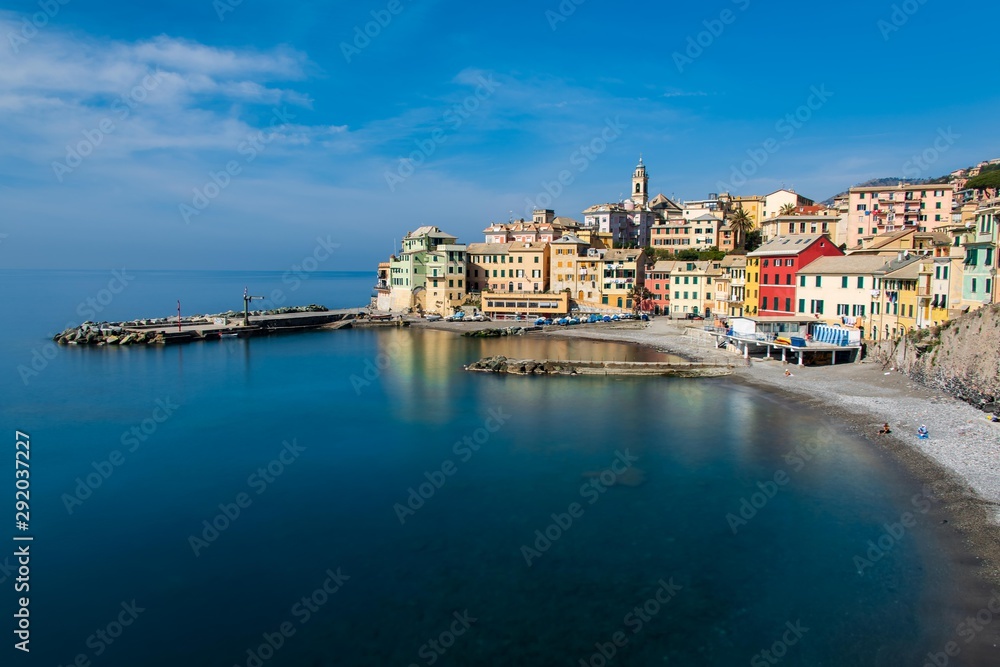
(879, 209)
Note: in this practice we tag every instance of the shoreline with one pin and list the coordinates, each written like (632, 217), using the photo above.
(960, 461)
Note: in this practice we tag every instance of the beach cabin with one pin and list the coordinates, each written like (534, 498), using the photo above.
(802, 337)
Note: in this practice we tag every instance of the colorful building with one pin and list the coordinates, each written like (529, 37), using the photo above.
(734, 267)
(780, 260)
(839, 287)
(877, 209)
(658, 283)
(620, 272)
(751, 288)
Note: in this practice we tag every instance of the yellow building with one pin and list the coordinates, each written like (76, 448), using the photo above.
(753, 205)
(573, 269)
(512, 305)
(621, 271)
(751, 289)
(531, 267)
(896, 308)
(445, 288)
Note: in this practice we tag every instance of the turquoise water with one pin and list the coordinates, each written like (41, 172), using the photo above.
(369, 463)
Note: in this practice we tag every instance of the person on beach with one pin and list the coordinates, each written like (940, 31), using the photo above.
(788, 373)
(885, 429)
(922, 432)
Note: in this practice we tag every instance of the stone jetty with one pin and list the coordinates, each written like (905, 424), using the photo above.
(501, 364)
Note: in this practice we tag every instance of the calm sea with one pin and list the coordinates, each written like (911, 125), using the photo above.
(355, 498)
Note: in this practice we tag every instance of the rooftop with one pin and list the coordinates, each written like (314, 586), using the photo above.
(791, 244)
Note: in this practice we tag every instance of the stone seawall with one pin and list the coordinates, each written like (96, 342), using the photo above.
(501, 364)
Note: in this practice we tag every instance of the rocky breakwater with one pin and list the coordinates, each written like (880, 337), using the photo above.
(86, 334)
(498, 333)
(501, 364)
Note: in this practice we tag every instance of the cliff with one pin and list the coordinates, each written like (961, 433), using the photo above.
(961, 357)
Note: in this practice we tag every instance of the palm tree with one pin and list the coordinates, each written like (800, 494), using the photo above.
(787, 209)
(638, 295)
(742, 224)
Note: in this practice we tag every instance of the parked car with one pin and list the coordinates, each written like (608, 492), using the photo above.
(479, 317)
(432, 317)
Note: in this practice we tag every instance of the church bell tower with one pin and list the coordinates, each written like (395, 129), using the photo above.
(640, 185)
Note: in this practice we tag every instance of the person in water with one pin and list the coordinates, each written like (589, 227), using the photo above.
(922, 432)
(885, 429)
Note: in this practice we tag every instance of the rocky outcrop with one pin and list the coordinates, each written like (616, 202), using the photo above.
(495, 333)
(961, 357)
(87, 334)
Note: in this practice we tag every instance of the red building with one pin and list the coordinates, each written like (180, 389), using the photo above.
(780, 261)
(658, 283)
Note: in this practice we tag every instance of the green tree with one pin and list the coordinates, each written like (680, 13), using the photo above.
(638, 295)
(754, 240)
(787, 209)
(984, 181)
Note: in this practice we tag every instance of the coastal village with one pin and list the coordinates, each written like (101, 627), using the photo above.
(877, 263)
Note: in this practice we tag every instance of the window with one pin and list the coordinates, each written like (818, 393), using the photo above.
(788, 305)
(802, 281)
(451, 283)
(819, 281)
(989, 285)
(911, 310)
(816, 306)
(776, 303)
(765, 279)
(766, 262)
(843, 284)
(802, 305)
(788, 279)
(973, 284)
(861, 282)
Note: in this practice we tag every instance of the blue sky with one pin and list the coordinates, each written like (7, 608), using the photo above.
(233, 134)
